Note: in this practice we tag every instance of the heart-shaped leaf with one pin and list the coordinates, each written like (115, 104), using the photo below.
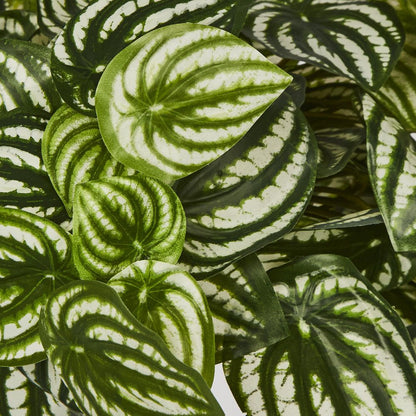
(169, 301)
(88, 332)
(348, 353)
(35, 257)
(120, 220)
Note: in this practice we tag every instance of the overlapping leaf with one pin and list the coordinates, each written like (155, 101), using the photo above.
(181, 96)
(392, 170)
(348, 353)
(35, 257)
(361, 40)
(88, 332)
(17, 24)
(120, 220)
(108, 26)
(251, 195)
(169, 301)
(246, 312)
(74, 152)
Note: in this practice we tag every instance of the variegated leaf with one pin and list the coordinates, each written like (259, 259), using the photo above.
(108, 26)
(169, 301)
(88, 332)
(361, 237)
(35, 257)
(361, 40)
(392, 170)
(18, 5)
(348, 353)
(74, 152)
(246, 312)
(24, 183)
(17, 24)
(120, 220)
(251, 195)
(182, 95)
(19, 396)
(25, 77)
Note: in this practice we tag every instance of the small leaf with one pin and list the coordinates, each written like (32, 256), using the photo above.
(120, 220)
(88, 332)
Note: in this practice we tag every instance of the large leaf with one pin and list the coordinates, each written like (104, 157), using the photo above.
(107, 27)
(169, 301)
(180, 96)
(17, 24)
(246, 312)
(361, 40)
(88, 332)
(74, 152)
(348, 353)
(35, 257)
(24, 184)
(119, 220)
(251, 195)
(25, 77)
(392, 170)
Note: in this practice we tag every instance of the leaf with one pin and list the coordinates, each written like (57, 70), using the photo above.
(392, 170)
(348, 353)
(74, 152)
(403, 300)
(25, 77)
(24, 184)
(35, 257)
(169, 301)
(246, 312)
(361, 40)
(17, 24)
(88, 332)
(362, 237)
(120, 220)
(252, 195)
(180, 96)
(107, 27)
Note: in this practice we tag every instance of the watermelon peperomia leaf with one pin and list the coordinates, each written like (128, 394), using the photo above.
(35, 258)
(88, 332)
(348, 352)
(182, 95)
(120, 220)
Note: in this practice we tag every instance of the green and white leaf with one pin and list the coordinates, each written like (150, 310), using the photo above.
(35, 257)
(25, 77)
(120, 220)
(74, 152)
(24, 183)
(361, 237)
(361, 40)
(246, 312)
(348, 352)
(108, 26)
(392, 171)
(253, 194)
(88, 332)
(169, 301)
(17, 24)
(179, 97)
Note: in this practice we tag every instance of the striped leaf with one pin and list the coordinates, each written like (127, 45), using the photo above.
(348, 353)
(120, 220)
(253, 194)
(361, 237)
(246, 312)
(25, 77)
(169, 301)
(74, 152)
(17, 24)
(24, 183)
(361, 40)
(392, 170)
(18, 396)
(107, 27)
(88, 332)
(35, 257)
(180, 96)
